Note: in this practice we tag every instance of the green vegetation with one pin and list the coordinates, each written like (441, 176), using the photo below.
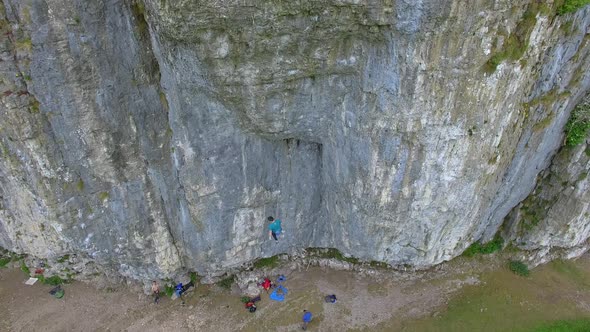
(63, 258)
(578, 125)
(194, 277)
(504, 301)
(331, 253)
(8, 256)
(103, 196)
(25, 45)
(164, 101)
(486, 248)
(516, 44)
(269, 262)
(25, 268)
(138, 10)
(227, 282)
(573, 325)
(168, 290)
(533, 210)
(34, 107)
(549, 98)
(53, 281)
(4, 261)
(378, 265)
(80, 185)
(570, 6)
(519, 268)
(543, 124)
(571, 271)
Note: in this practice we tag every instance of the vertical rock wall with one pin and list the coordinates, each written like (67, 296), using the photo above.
(553, 220)
(158, 135)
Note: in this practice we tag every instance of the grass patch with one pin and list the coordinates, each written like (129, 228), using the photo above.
(164, 101)
(543, 124)
(486, 248)
(516, 44)
(25, 268)
(80, 185)
(194, 277)
(34, 107)
(570, 6)
(504, 301)
(572, 325)
(227, 282)
(25, 45)
(269, 262)
(103, 196)
(4, 261)
(533, 210)
(570, 270)
(519, 268)
(331, 253)
(168, 290)
(53, 281)
(578, 125)
(138, 11)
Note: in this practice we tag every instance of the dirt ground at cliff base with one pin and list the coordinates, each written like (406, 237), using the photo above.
(466, 295)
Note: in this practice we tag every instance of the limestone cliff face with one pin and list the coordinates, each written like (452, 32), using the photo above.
(152, 136)
(553, 220)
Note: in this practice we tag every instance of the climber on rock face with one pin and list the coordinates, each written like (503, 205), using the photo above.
(274, 229)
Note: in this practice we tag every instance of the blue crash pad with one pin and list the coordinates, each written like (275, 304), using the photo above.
(279, 293)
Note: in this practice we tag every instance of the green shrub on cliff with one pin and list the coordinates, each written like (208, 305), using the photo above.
(227, 282)
(519, 268)
(516, 44)
(269, 262)
(578, 125)
(486, 248)
(25, 268)
(53, 281)
(4, 261)
(570, 6)
(168, 290)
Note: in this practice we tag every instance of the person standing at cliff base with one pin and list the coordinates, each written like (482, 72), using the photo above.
(274, 229)
(306, 319)
(156, 291)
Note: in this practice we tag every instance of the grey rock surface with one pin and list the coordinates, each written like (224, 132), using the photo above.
(154, 137)
(553, 220)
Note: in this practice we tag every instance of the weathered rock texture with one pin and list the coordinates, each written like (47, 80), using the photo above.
(553, 220)
(154, 136)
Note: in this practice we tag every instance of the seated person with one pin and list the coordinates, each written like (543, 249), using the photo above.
(330, 298)
(266, 284)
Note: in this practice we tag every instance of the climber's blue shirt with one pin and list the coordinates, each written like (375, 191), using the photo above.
(275, 226)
